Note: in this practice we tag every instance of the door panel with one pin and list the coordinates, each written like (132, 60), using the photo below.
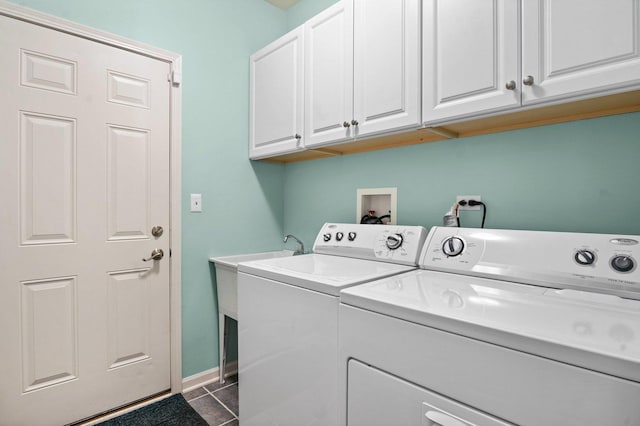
(49, 73)
(85, 158)
(128, 317)
(128, 183)
(47, 179)
(49, 332)
(577, 47)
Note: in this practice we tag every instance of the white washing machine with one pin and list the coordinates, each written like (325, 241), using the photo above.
(288, 319)
(498, 327)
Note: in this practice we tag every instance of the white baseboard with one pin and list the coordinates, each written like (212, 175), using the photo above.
(208, 376)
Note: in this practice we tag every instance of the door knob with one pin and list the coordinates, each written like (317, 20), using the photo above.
(157, 231)
(528, 80)
(354, 122)
(511, 85)
(346, 124)
(156, 254)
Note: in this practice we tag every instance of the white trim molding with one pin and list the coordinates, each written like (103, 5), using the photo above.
(175, 60)
(208, 376)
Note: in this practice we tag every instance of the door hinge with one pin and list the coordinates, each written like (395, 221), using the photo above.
(175, 78)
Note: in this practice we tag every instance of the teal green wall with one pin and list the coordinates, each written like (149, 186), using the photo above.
(242, 201)
(580, 176)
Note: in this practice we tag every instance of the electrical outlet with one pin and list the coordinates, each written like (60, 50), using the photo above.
(196, 203)
(468, 197)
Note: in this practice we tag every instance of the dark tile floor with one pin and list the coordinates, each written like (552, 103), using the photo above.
(216, 403)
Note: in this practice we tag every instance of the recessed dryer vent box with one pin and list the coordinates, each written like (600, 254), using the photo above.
(384, 201)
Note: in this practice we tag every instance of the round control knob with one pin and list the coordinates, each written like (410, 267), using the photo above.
(339, 236)
(351, 236)
(622, 263)
(326, 237)
(585, 257)
(453, 246)
(394, 241)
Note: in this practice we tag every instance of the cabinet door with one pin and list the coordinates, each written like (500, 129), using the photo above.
(276, 88)
(471, 57)
(576, 47)
(386, 65)
(329, 76)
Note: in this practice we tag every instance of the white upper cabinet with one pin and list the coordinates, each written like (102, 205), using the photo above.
(329, 75)
(368, 68)
(387, 54)
(477, 60)
(576, 47)
(277, 90)
(471, 57)
(362, 70)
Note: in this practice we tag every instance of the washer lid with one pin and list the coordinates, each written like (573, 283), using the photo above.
(323, 273)
(595, 331)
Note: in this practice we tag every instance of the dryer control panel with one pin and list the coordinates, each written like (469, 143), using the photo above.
(388, 243)
(592, 262)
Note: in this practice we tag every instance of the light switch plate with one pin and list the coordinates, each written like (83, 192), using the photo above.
(196, 203)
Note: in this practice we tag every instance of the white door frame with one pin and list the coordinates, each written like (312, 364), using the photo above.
(175, 60)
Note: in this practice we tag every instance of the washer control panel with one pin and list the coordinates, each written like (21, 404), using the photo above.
(591, 262)
(389, 243)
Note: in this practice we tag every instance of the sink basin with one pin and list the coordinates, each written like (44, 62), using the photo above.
(227, 278)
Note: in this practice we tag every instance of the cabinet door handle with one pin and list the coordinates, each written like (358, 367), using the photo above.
(528, 80)
(354, 122)
(297, 136)
(511, 85)
(346, 124)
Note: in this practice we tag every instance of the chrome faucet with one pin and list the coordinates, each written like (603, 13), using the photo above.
(300, 249)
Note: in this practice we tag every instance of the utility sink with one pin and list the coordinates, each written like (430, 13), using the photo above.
(227, 285)
(227, 277)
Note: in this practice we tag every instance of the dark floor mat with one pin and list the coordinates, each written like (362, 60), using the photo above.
(170, 411)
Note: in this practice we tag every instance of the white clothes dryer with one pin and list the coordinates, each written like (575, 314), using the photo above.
(288, 319)
(498, 327)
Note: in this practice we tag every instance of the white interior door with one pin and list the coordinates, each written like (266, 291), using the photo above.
(84, 154)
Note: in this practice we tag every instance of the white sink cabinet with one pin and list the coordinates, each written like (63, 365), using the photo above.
(362, 70)
(478, 58)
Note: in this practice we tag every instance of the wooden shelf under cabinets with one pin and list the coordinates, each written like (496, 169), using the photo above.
(560, 113)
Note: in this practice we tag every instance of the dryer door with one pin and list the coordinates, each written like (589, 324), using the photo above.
(376, 397)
